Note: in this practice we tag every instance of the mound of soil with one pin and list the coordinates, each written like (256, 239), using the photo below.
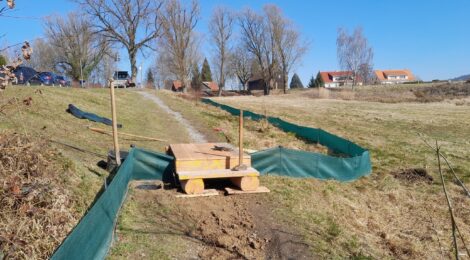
(35, 206)
(224, 227)
(413, 175)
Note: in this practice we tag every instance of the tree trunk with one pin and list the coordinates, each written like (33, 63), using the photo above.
(221, 87)
(284, 81)
(133, 60)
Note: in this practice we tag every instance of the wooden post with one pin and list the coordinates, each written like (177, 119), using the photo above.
(115, 132)
(240, 139)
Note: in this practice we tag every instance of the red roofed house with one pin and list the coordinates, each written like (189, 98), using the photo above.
(394, 76)
(210, 86)
(176, 85)
(334, 79)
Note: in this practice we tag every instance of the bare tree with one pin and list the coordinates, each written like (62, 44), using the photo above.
(288, 45)
(78, 49)
(161, 68)
(131, 23)
(105, 69)
(221, 29)
(179, 42)
(353, 52)
(45, 56)
(241, 65)
(10, 4)
(259, 42)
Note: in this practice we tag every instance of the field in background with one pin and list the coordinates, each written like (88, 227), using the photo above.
(375, 216)
(397, 93)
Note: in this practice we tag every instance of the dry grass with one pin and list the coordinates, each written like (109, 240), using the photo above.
(36, 206)
(378, 216)
(424, 93)
(72, 178)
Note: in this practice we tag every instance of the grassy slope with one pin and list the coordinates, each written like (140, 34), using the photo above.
(46, 118)
(375, 216)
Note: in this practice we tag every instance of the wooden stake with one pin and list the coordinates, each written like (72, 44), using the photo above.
(115, 132)
(240, 139)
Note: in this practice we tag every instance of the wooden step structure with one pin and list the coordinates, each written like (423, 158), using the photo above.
(196, 162)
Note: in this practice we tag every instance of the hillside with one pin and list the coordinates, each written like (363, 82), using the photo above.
(461, 78)
(49, 158)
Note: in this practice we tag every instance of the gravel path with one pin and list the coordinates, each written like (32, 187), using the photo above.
(195, 135)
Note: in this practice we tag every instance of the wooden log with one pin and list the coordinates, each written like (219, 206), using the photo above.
(246, 183)
(192, 186)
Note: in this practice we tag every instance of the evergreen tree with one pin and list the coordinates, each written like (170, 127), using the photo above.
(295, 82)
(3, 60)
(319, 81)
(206, 71)
(311, 83)
(150, 79)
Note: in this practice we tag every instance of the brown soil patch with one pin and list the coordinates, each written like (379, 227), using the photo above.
(413, 175)
(226, 227)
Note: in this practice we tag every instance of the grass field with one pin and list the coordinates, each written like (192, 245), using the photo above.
(374, 216)
(378, 216)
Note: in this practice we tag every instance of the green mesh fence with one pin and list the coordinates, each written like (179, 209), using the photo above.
(351, 162)
(92, 237)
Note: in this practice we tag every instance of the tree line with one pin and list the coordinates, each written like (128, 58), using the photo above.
(243, 45)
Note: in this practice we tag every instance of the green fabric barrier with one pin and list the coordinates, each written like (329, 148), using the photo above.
(351, 162)
(92, 237)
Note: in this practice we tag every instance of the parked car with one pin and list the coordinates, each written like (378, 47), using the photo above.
(24, 75)
(47, 78)
(122, 79)
(62, 81)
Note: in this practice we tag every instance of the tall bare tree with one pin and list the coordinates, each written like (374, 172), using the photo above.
(259, 42)
(45, 56)
(130, 23)
(353, 52)
(77, 48)
(179, 42)
(241, 65)
(221, 30)
(289, 47)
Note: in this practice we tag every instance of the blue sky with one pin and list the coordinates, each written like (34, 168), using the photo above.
(432, 38)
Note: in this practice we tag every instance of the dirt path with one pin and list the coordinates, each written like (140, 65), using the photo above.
(195, 135)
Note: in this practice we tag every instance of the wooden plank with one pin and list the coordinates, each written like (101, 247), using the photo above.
(205, 193)
(213, 174)
(203, 151)
(261, 189)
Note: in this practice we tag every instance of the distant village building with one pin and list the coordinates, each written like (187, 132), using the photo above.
(176, 86)
(334, 79)
(257, 83)
(210, 86)
(394, 76)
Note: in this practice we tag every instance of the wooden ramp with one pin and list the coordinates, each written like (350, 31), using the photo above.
(196, 162)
